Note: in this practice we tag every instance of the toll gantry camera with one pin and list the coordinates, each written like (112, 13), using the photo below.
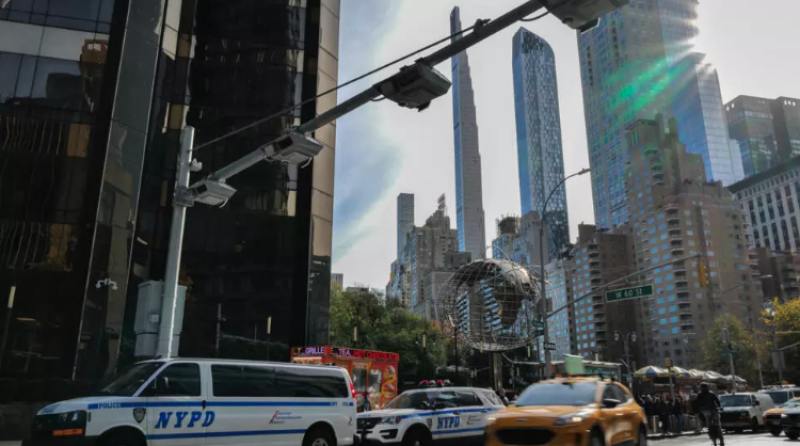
(414, 87)
(582, 15)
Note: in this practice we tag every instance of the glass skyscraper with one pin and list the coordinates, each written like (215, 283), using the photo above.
(93, 97)
(637, 63)
(540, 157)
(469, 191)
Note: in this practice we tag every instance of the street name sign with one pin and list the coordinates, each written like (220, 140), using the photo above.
(629, 293)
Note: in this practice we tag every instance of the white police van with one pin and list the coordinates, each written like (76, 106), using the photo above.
(183, 402)
(423, 416)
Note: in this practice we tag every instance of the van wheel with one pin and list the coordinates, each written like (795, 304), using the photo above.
(775, 431)
(754, 425)
(793, 435)
(319, 436)
(417, 437)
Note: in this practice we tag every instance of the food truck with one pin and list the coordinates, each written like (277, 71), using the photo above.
(374, 374)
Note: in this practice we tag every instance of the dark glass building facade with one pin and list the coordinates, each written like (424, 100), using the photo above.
(93, 97)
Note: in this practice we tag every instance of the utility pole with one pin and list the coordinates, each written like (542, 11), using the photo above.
(166, 332)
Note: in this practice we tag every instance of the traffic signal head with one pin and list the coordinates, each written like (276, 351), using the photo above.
(702, 274)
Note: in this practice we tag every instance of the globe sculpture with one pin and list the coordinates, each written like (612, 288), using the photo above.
(490, 305)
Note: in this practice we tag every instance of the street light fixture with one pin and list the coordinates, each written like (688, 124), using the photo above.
(727, 333)
(626, 338)
(542, 279)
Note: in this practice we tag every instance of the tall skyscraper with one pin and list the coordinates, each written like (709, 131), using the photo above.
(405, 220)
(539, 153)
(469, 194)
(766, 130)
(637, 63)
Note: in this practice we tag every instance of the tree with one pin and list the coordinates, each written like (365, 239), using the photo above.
(384, 325)
(715, 351)
(783, 326)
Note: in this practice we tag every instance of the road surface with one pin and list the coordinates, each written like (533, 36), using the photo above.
(746, 439)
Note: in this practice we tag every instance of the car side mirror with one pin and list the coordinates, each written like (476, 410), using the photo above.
(438, 404)
(758, 403)
(424, 405)
(610, 403)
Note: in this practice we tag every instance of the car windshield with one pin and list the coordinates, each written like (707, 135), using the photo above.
(735, 400)
(412, 400)
(779, 397)
(129, 382)
(559, 394)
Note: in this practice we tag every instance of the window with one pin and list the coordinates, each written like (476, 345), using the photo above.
(177, 380)
(466, 398)
(256, 381)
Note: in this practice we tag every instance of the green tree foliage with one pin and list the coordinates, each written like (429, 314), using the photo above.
(384, 325)
(784, 326)
(714, 350)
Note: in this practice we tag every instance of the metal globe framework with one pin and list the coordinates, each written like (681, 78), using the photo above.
(490, 305)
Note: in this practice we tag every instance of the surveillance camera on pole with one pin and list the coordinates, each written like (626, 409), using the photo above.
(582, 15)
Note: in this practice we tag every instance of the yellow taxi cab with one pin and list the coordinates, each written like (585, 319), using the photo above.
(772, 417)
(570, 411)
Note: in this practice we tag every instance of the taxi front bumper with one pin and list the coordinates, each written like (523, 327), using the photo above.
(533, 436)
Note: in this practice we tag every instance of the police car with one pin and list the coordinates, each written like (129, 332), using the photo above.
(422, 416)
(182, 402)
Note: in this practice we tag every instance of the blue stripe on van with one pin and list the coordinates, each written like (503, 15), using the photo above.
(270, 403)
(121, 405)
(226, 434)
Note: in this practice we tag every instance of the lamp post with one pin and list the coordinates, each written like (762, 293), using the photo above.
(776, 352)
(727, 331)
(628, 337)
(542, 224)
(9, 308)
(269, 334)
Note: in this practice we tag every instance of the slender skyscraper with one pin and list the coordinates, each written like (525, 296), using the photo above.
(405, 221)
(541, 161)
(469, 195)
(637, 63)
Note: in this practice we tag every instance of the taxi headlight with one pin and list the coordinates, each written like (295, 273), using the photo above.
(574, 418)
(391, 420)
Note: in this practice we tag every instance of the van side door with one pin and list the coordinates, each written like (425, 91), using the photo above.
(175, 408)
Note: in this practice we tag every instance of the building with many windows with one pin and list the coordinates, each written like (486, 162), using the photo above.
(405, 220)
(697, 107)
(780, 272)
(518, 239)
(678, 220)
(769, 201)
(93, 97)
(539, 150)
(428, 248)
(469, 187)
(766, 130)
(635, 64)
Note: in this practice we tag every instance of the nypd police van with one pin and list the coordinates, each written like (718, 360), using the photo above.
(183, 402)
(423, 416)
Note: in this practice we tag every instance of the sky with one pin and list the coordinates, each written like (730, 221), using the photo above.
(383, 150)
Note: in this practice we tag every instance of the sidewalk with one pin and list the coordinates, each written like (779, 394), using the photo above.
(661, 436)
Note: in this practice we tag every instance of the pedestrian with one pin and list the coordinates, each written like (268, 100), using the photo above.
(663, 414)
(501, 392)
(678, 411)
